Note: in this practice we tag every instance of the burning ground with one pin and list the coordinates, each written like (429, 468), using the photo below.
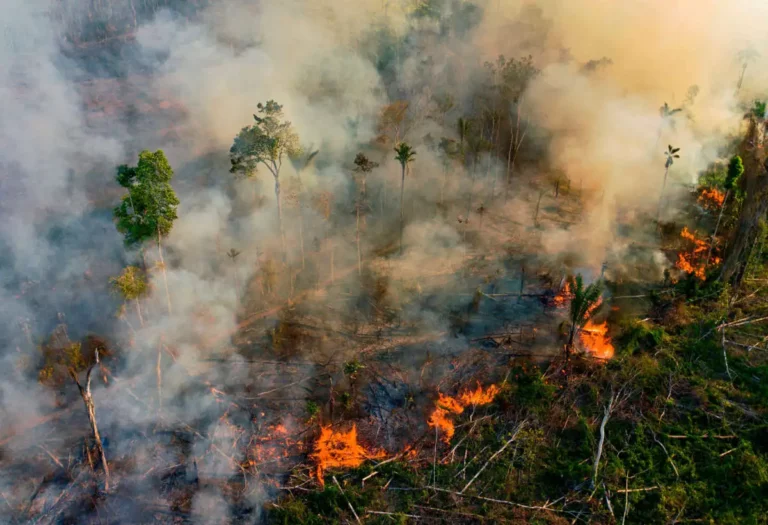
(547, 307)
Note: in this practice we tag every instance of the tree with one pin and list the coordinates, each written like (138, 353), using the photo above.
(232, 254)
(267, 142)
(583, 304)
(148, 210)
(754, 183)
(671, 155)
(745, 56)
(363, 166)
(66, 358)
(735, 170)
(132, 286)
(301, 161)
(405, 155)
(666, 112)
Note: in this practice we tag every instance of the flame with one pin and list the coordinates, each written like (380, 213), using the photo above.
(711, 198)
(563, 296)
(595, 339)
(445, 406)
(274, 446)
(339, 450)
(692, 263)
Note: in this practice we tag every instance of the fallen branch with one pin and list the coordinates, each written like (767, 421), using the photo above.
(347, 500)
(704, 436)
(606, 415)
(500, 501)
(396, 514)
(514, 436)
(644, 489)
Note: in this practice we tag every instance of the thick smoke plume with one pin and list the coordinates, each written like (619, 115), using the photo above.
(186, 80)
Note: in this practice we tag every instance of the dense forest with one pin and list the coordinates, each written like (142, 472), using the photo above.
(418, 261)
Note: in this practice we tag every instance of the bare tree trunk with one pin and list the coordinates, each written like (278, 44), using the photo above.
(741, 77)
(357, 238)
(469, 199)
(280, 217)
(165, 274)
(159, 374)
(402, 208)
(85, 393)
(661, 197)
(138, 311)
(538, 204)
(599, 454)
(301, 235)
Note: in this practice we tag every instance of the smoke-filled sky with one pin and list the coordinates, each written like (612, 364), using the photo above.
(188, 82)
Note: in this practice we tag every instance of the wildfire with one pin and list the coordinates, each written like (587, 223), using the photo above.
(563, 296)
(445, 406)
(595, 339)
(339, 450)
(274, 446)
(692, 263)
(711, 198)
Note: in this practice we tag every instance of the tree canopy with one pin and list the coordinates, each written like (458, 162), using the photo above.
(148, 210)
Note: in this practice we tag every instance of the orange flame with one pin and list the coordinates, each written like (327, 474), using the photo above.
(563, 296)
(711, 198)
(339, 450)
(445, 406)
(272, 447)
(692, 263)
(595, 339)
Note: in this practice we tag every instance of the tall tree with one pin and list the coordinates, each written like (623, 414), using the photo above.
(754, 183)
(301, 161)
(745, 56)
(63, 358)
(363, 167)
(267, 142)
(405, 155)
(132, 286)
(735, 170)
(671, 155)
(148, 210)
(583, 304)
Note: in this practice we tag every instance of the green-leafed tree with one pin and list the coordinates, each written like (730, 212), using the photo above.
(735, 170)
(405, 155)
(267, 142)
(132, 286)
(583, 304)
(148, 210)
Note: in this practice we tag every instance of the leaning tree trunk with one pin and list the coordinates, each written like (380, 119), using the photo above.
(755, 185)
(717, 227)
(85, 393)
(138, 311)
(661, 197)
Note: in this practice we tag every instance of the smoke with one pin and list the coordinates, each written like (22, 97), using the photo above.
(189, 80)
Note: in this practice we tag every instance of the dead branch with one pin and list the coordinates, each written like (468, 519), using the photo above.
(606, 415)
(357, 518)
(644, 489)
(514, 436)
(396, 514)
(491, 500)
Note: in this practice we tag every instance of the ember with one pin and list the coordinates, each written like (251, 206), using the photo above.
(692, 263)
(711, 198)
(447, 405)
(563, 296)
(596, 341)
(339, 450)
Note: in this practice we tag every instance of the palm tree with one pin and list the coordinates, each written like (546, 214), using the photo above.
(671, 155)
(232, 254)
(405, 155)
(363, 166)
(584, 302)
(666, 112)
